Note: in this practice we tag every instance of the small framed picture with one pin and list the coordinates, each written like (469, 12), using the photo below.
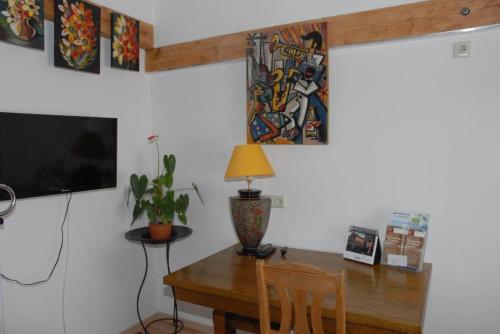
(125, 42)
(363, 245)
(22, 23)
(77, 36)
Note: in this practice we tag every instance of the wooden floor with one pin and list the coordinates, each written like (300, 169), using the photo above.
(165, 327)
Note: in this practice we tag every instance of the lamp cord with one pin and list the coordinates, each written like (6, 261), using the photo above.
(12, 280)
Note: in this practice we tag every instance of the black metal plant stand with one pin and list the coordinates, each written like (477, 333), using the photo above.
(142, 235)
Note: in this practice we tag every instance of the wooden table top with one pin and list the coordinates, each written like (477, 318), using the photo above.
(377, 296)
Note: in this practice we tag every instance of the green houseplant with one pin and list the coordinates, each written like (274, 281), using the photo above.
(158, 199)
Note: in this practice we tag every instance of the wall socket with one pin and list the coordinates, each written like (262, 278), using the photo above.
(278, 201)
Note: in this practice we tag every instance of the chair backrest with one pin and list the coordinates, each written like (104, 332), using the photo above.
(299, 280)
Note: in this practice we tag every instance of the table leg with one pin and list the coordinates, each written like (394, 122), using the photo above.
(178, 325)
(221, 325)
(140, 288)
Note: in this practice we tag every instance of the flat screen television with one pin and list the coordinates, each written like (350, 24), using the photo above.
(48, 154)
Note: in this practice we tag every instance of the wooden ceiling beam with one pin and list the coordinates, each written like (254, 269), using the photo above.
(146, 29)
(411, 20)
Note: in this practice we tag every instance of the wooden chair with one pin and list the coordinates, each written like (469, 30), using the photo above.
(299, 280)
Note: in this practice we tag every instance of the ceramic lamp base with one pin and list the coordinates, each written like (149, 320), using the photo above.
(250, 220)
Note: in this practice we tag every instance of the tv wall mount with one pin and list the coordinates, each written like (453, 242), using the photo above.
(12, 203)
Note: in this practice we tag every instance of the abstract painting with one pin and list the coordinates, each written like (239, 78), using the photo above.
(21, 22)
(287, 85)
(124, 42)
(77, 35)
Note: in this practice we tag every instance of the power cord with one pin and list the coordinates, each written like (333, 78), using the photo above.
(2, 316)
(65, 275)
(12, 280)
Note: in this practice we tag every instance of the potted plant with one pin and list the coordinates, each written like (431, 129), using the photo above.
(158, 200)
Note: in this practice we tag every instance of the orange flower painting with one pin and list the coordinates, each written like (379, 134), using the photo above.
(77, 35)
(124, 42)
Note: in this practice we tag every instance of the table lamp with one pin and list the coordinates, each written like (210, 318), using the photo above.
(250, 211)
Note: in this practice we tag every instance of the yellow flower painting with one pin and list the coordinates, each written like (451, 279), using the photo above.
(22, 22)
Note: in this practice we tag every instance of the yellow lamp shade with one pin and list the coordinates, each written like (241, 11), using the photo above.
(248, 161)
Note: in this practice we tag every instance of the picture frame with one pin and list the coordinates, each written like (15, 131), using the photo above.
(22, 23)
(77, 36)
(363, 245)
(287, 85)
(125, 42)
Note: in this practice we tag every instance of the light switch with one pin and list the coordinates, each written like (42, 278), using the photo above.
(278, 201)
(462, 49)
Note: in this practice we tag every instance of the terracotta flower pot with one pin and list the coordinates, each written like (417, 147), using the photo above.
(160, 231)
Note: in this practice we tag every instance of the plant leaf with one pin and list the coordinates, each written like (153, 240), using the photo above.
(128, 195)
(182, 204)
(138, 185)
(134, 184)
(178, 206)
(169, 196)
(183, 218)
(146, 205)
(143, 184)
(169, 162)
(157, 181)
(185, 198)
(168, 180)
(167, 206)
(195, 187)
(138, 211)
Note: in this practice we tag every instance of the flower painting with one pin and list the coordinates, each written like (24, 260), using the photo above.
(124, 42)
(77, 31)
(21, 22)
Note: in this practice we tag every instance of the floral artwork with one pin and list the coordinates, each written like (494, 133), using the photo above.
(21, 22)
(77, 34)
(287, 86)
(124, 42)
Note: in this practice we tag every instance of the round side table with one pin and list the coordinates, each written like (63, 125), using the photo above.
(142, 235)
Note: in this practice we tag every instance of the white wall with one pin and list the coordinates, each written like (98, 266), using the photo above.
(411, 128)
(217, 17)
(104, 270)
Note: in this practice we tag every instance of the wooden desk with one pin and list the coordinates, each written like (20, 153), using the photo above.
(379, 299)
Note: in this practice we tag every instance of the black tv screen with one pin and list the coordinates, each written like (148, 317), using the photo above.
(47, 154)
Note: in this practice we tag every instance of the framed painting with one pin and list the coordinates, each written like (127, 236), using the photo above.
(22, 23)
(77, 35)
(287, 85)
(124, 42)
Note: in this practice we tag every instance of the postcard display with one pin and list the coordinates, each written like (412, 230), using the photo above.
(405, 240)
(363, 245)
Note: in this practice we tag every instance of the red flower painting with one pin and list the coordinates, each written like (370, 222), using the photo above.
(125, 42)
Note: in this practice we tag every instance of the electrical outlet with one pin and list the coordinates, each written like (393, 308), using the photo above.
(462, 49)
(278, 201)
